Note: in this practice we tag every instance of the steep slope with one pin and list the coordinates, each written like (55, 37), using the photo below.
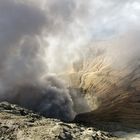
(113, 94)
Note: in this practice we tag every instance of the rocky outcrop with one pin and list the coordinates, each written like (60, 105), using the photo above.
(22, 124)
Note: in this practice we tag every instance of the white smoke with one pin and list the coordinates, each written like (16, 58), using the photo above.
(47, 36)
(25, 28)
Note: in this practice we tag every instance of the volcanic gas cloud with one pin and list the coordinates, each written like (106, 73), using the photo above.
(65, 57)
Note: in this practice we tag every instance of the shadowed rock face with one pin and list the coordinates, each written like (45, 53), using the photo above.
(113, 94)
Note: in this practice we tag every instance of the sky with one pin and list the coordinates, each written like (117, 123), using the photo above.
(47, 36)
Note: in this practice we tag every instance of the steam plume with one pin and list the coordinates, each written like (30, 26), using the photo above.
(24, 76)
(49, 36)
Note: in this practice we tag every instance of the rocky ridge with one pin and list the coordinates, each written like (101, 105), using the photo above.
(22, 124)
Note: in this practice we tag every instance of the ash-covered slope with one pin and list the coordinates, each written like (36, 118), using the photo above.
(112, 93)
(17, 123)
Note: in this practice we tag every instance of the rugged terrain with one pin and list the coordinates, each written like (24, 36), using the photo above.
(113, 93)
(22, 124)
